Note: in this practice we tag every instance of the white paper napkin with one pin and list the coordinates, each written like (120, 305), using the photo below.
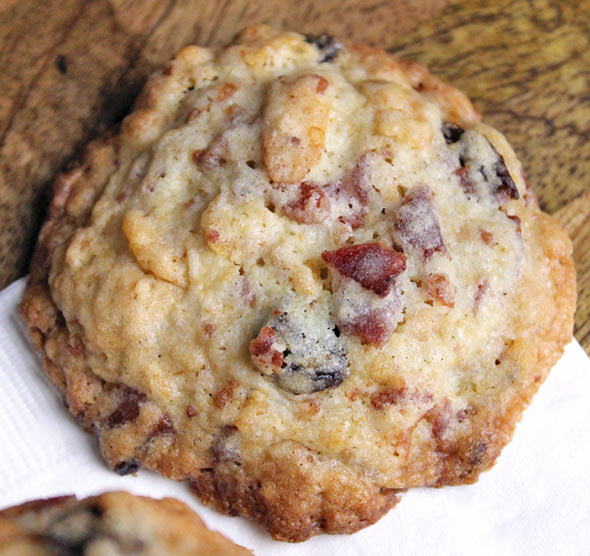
(536, 500)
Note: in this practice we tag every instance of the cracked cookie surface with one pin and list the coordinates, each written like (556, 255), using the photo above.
(304, 277)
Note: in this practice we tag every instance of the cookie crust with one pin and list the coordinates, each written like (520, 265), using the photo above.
(293, 485)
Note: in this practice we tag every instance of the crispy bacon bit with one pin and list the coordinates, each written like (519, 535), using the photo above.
(439, 418)
(191, 411)
(438, 287)
(374, 327)
(373, 265)
(487, 237)
(322, 85)
(310, 207)
(261, 348)
(212, 235)
(482, 287)
(225, 91)
(313, 407)
(163, 426)
(416, 223)
(463, 173)
(353, 189)
(128, 408)
(225, 394)
(212, 156)
(390, 396)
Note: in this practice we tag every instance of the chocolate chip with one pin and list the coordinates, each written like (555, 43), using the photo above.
(328, 45)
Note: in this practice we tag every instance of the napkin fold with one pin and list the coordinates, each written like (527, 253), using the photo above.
(536, 500)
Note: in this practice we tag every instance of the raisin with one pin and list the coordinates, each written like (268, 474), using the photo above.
(452, 132)
(127, 467)
(326, 44)
(482, 170)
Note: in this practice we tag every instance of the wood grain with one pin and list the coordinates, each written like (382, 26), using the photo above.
(71, 68)
(575, 219)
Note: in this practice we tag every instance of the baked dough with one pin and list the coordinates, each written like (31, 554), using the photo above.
(303, 276)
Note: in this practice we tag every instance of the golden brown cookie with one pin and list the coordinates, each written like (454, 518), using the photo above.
(111, 524)
(302, 276)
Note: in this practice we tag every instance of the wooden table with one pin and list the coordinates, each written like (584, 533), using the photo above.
(72, 68)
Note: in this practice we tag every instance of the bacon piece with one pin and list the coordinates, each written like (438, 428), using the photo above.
(225, 394)
(310, 207)
(261, 349)
(482, 287)
(487, 237)
(128, 409)
(373, 326)
(439, 418)
(163, 426)
(387, 397)
(353, 191)
(212, 156)
(466, 185)
(373, 265)
(438, 287)
(416, 224)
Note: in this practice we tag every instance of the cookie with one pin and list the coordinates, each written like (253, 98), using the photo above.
(303, 276)
(111, 524)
